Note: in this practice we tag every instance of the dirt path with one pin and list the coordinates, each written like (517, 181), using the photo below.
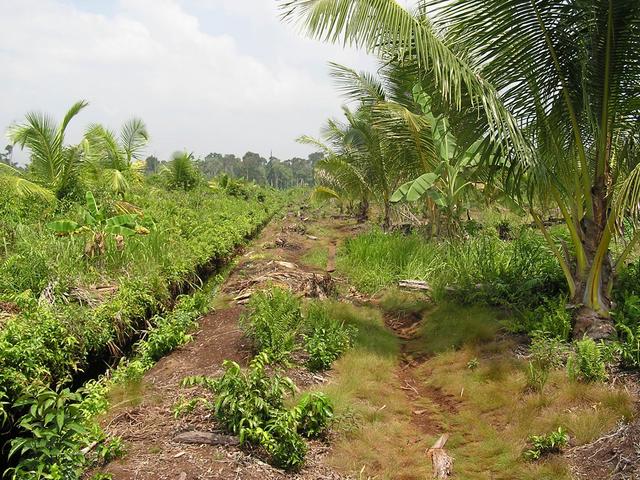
(143, 414)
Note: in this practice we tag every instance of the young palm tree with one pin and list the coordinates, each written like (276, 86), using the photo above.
(181, 171)
(54, 167)
(560, 79)
(113, 160)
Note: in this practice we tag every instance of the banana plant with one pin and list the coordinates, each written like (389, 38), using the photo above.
(446, 187)
(98, 225)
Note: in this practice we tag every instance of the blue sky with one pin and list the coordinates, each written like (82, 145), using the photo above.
(206, 75)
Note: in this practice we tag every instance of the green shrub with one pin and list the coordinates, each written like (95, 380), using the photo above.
(545, 444)
(250, 403)
(246, 399)
(548, 352)
(627, 318)
(314, 411)
(537, 376)
(280, 439)
(273, 322)
(326, 339)
(552, 319)
(587, 362)
(50, 434)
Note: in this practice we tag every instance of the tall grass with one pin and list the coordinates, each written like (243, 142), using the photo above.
(480, 269)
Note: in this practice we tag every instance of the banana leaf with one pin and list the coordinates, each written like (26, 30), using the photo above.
(63, 227)
(415, 189)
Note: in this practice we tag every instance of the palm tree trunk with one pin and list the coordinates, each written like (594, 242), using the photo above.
(363, 211)
(386, 222)
(592, 290)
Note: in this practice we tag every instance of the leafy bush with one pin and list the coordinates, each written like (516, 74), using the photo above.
(280, 440)
(273, 322)
(246, 399)
(326, 339)
(587, 362)
(250, 403)
(545, 444)
(49, 434)
(552, 319)
(627, 317)
(548, 352)
(314, 412)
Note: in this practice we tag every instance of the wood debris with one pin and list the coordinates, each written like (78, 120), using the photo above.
(415, 285)
(282, 274)
(206, 438)
(441, 461)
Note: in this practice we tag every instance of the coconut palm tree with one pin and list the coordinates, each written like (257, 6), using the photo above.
(181, 171)
(559, 80)
(112, 160)
(54, 167)
(380, 144)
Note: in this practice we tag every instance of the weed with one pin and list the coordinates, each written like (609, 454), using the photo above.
(548, 352)
(473, 364)
(587, 362)
(184, 407)
(545, 444)
(49, 432)
(273, 322)
(537, 376)
(326, 339)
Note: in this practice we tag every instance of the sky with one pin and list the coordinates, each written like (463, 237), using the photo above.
(206, 76)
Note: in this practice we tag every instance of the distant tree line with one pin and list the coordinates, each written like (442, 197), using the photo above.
(274, 172)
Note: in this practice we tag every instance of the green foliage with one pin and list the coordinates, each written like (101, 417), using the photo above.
(98, 224)
(273, 322)
(181, 172)
(542, 445)
(110, 449)
(483, 269)
(537, 376)
(314, 412)
(251, 403)
(49, 434)
(587, 363)
(325, 338)
(627, 317)
(473, 364)
(280, 440)
(246, 399)
(552, 318)
(548, 351)
(47, 341)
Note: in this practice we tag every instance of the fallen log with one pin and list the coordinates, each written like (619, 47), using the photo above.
(208, 438)
(441, 461)
(415, 285)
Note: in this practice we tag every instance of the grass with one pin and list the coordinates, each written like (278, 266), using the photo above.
(376, 437)
(488, 411)
(497, 414)
(317, 257)
(450, 326)
(481, 269)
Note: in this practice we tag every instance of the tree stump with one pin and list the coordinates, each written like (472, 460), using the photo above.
(441, 461)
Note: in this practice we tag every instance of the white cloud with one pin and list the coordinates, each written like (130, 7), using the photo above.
(197, 89)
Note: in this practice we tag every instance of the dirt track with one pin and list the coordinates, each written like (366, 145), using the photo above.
(143, 416)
